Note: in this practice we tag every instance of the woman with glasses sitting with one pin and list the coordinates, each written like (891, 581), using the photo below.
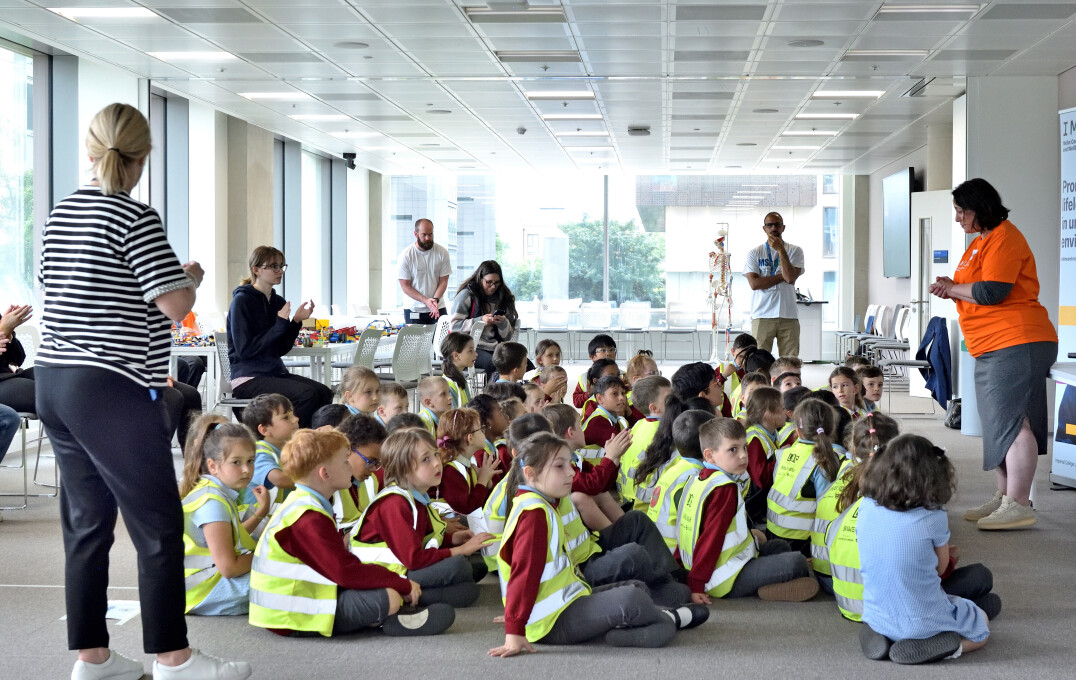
(261, 329)
(485, 297)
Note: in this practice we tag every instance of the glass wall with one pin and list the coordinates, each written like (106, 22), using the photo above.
(315, 213)
(16, 178)
(547, 232)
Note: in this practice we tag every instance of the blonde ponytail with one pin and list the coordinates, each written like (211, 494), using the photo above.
(117, 139)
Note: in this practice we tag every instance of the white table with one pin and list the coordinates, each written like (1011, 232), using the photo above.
(212, 368)
(322, 358)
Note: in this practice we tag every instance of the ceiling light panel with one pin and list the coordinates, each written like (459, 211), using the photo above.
(846, 11)
(88, 14)
(209, 15)
(531, 15)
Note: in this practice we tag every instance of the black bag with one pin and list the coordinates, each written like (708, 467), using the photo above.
(952, 415)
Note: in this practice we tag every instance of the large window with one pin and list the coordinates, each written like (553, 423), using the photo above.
(16, 178)
(315, 216)
(830, 228)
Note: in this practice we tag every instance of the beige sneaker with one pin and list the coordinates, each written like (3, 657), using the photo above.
(1010, 515)
(984, 510)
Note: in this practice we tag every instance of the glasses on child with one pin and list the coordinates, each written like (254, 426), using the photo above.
(371, 463)
(277, 267)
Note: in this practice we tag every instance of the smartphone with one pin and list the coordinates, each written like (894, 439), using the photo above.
(499, 312)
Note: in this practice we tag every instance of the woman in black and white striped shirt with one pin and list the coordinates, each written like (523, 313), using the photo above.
(111, 283)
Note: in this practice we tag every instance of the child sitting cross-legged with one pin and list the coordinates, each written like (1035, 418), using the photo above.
(787, 381)
(459, 355)
(393, 402)
(304, 582)
(872, 382)
(650, 394)
(750, 382)
(365, 436)
(845, 385)
(698, 379)
(536, 569)
(464, 485)
(360, 390)
(510, 361)
(597, 370)
(717, 545)
(764, 415)
(494, 425)
(684, 464)
(554, 382)
(607, 419)
(601, 347)
(401, 532)
(903, 533)
(536, 398)
(271, 418)
(593, 483)
(217, 546)
(436, 399)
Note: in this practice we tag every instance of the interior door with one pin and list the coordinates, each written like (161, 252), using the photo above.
(932, 256)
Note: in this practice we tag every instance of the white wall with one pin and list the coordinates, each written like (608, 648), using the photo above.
(209, 206)
(882, 290)
(99, 86)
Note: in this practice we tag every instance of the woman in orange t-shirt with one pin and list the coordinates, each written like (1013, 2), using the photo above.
(996, 290)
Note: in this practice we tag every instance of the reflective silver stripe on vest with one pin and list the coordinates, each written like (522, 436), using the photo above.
(819, 551)
(287, 570)
(849, 605)
(198, 578)
(567, 519)
(846, 574)
(198, 562)
(788, 521)
(735, 563)
(292, 603)
(378, 555)
(671, 530)
(790, 503)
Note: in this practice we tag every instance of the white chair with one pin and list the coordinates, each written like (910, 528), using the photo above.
(338, 310)
(224, 385)
(528, 312)
(410, 357)
(478, 376)
(594, 318)
(442, 329)
(634, 327)
(680, 320)
(553, 320)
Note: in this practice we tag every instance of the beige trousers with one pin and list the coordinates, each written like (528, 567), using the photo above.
(785, 331)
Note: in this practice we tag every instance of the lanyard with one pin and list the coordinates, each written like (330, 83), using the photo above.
(775, 260)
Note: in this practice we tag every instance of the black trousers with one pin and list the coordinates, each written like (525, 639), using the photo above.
(183, 404)
(422, 317)
(306, 395)
(17, 391)
(115, 454)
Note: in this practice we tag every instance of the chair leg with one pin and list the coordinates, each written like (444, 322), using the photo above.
(55, 472)
(25, 475)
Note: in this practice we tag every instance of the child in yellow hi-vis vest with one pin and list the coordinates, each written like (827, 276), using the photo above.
(217, 547)
(545, 597)
(719, 549)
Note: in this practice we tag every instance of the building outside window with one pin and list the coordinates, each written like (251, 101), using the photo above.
(16, 178)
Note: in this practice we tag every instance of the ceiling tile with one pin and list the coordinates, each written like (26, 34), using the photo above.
(209, 15)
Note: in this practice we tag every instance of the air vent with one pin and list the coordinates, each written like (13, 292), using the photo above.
(638, 130)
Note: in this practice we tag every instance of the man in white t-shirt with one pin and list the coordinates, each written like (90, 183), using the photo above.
(423, 272)
(771, 270)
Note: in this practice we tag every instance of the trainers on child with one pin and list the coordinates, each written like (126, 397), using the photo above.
(115, 667)
(203, 667)
(689, 615)
(430, 620)
(984, 510)
(934, 648)
(875, 646)
(797, 590)
(1009, 515)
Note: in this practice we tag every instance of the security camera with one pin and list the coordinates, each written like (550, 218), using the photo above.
(521, 130)
(350, 160)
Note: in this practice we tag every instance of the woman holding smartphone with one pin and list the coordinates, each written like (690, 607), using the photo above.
(485, 297)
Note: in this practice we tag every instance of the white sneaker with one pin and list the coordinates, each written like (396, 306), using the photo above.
(1009, 515)
(203, 667)
(115, 667)
(984, 510)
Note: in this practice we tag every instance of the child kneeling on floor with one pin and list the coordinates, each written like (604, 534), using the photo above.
(545, 598)
(304, 582)
(723, 555)
(903, 535)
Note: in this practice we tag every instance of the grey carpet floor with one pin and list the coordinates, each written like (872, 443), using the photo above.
(1033, 573)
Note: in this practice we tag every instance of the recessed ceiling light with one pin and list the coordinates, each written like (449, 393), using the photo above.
(430, 144)
(809, 133)
(764, 111)
(320, 117)
(746, 144)
(826, 116)
(350, 45)
(805, 43)
(582, 133)
(76, 13)
(355, 134)
(275, 96)
(535, 57)
(438, 112)
(733, 166)
(893, 8)
(535, 15)
(786, 147)
(886, 53)
(560, 94)
(572, 116)
(192, 56)
(847, 94)
(591, 149)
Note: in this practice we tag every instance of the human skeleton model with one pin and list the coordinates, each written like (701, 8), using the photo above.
(720, 296)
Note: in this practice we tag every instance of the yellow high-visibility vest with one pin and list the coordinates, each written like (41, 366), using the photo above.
(200, 573)
(380, 553)
(664, 509)
(739, 546)
(788, 513)
(844, 562)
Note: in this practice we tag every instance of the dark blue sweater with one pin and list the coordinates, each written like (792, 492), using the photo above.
(257, 337)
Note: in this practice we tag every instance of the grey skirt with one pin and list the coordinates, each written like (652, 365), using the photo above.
(1010, 384)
